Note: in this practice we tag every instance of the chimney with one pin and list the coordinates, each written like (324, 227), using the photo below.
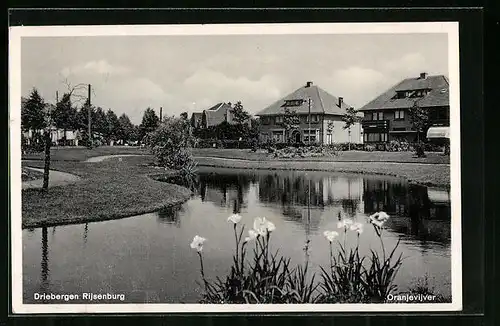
(423, 75)
(341, 100)
(309, 84)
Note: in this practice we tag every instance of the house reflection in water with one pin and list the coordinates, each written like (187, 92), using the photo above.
(225, 190)
(417, 211)
(304, 197)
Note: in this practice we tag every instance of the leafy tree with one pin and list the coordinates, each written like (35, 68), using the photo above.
(240, 116)
(100, 122)
(33, 112)
(419, 118)
(126, 127)
(83, 121)
(184, 115)
(114, 131)
(65, 114)
(350, 118)
(150, 122)
(291, 121)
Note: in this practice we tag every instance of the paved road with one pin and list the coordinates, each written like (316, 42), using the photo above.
(56, 178)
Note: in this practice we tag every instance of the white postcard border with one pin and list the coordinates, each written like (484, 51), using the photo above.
(15, 35)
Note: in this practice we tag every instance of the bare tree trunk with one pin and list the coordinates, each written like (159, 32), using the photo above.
(46, 167)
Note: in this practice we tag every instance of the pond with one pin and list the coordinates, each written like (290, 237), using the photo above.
(148, 257)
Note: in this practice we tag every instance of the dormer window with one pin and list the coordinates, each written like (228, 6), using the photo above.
(293, 102)
(411, 93)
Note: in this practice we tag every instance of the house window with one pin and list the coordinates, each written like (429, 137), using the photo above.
(265, 120)
(293, 102)
(279, 119)
(314, 118)
(375, 137)
(329, 138)
(378, 116)
(278, 136)
(311, 135)
(399, 115)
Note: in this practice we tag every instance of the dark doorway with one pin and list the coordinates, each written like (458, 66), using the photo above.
(296, 136)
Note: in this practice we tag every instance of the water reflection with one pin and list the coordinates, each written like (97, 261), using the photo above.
(303, 198)
(170, 215)
(85, 233)
(44, 277)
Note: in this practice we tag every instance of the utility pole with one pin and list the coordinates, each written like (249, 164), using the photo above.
(161, 109)
(90, 117)
(309, 131)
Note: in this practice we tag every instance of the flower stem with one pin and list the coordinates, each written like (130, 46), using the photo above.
(237, 242)
(382, 244)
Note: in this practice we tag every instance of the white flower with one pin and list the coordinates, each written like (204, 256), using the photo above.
(345, 223)
(331, 235)
(235, 218)
(251, 235)
(379, 218)
(263, 226)
(198, 243)
(358, 227)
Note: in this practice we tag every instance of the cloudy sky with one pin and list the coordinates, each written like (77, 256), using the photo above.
(191, 73)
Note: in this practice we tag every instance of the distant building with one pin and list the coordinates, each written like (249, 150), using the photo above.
(214, 116)
(325, 115)
(386, 117)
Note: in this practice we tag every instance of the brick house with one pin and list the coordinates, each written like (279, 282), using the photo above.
(320, 122)
(386, 117)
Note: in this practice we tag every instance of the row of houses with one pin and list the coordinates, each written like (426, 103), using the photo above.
(383, 119)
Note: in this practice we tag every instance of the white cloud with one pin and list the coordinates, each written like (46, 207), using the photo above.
(213, 86)
(357, 85)
(100, 67)
(410, 64)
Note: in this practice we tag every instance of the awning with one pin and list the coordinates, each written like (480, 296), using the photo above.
(438, 132)
(438, 195)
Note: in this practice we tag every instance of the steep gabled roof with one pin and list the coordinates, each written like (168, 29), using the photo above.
(322, 102)
(438, 95)
(217, 113)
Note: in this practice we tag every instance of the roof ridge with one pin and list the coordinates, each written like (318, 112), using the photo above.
(320, 99)
(385, 92)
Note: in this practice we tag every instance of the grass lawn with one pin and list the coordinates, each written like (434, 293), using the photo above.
(111, 189)
(346, 156)
(78, 154)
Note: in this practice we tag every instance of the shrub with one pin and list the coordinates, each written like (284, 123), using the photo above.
(419, 150)
(170, 143)
(369, 148)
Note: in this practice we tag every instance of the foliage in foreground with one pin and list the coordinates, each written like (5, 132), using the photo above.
(268, 277)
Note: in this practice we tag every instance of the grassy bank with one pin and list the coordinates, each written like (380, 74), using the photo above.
(346, 156)
(111, 189)
(425, 174)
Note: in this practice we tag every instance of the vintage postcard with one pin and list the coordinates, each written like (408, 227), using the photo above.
(235, 168)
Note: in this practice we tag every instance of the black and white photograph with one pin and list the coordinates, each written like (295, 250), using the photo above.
(235, 168)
